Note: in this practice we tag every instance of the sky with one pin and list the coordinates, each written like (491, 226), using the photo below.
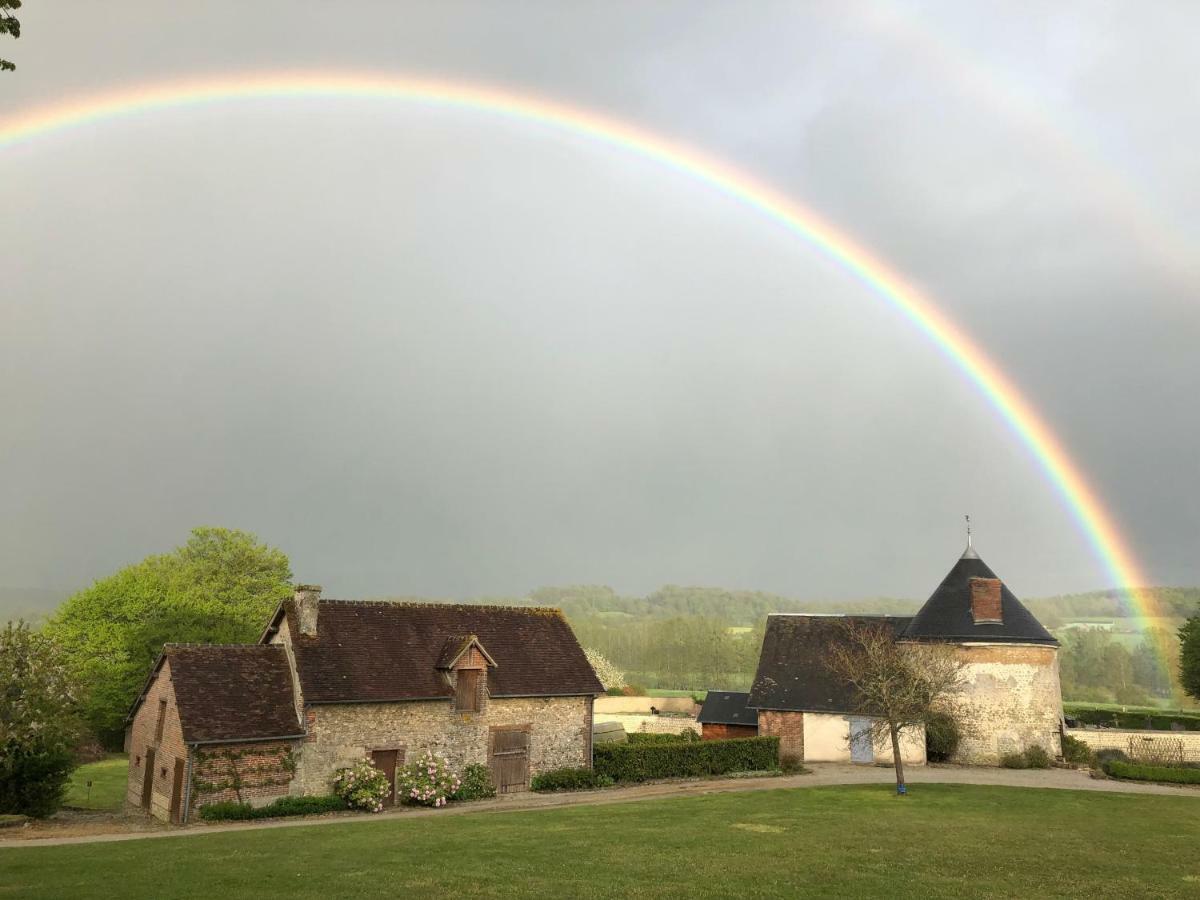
(430, 351)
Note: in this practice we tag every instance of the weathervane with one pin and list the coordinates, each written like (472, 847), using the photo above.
(968, 518)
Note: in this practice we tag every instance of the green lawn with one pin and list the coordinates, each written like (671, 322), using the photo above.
(940, 841)
(108, 784)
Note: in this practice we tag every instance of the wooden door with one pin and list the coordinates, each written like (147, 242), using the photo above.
(177, 794)
(510, 760)
(148, 779)
(385, 761)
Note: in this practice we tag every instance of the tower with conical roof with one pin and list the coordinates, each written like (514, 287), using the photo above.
(1011, 697)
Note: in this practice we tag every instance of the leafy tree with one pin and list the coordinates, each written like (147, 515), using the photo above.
(9, 25)
(897, 685)
(39, 726)
(1189, 656)
(219, 587)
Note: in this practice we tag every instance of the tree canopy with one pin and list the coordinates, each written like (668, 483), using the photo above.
(1189, 656)
(39, 724)
(219, 587)
(9, 24)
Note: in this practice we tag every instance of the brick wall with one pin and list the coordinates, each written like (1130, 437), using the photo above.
(264, 770)
(1011, 699)
(143, 735)
(339, 734)
(713, 732)
(788, 727)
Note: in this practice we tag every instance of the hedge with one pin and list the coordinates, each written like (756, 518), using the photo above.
(569, 780)
(284, 806)
(1158, 720)
(642, 762)
(1118, 769)
(652, 737)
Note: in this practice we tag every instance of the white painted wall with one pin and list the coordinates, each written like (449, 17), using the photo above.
(827, 739)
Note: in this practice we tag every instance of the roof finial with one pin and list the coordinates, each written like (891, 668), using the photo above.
(969, 553)
(968, 518)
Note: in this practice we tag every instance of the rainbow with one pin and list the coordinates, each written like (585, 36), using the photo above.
(1082, 501)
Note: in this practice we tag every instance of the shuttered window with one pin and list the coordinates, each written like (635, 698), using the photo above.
(466, 698)
(162, 719)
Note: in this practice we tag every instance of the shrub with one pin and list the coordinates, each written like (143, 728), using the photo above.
(427, 782)
(362, 786)
(1107, 754)
(569, 780)
(285, 806)
(1032, 757)
(642, 762)
(1174, 775)
(792, 764)
(941, 737)
(633, 690)
(1075, 751)
(687, 736)
(476, 784)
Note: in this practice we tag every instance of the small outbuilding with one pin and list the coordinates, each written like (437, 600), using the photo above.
(726, 714)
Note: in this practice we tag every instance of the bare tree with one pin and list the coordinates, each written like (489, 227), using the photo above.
(897, 685)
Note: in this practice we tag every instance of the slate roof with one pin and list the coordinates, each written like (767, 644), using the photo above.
(230, 692)
(792, 673)
(381, 651)
(946, 615)
(727, 708)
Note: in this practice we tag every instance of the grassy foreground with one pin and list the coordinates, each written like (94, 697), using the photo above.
(941, 841)
(108, 778)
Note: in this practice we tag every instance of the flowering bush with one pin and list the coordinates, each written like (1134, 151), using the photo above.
(362, 786)
(476, 784)
(427, 782)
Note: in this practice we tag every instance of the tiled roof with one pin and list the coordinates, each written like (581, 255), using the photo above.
(379, 651)
(232, 692)
(727, 708)
(946, 615)
(792, 671)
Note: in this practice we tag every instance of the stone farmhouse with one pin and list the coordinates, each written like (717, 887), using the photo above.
(333, 681)
(1011, 697)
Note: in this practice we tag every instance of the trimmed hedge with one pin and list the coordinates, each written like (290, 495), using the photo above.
(1159, 720)
(1118, 769)
(580, 779)
(285, 806)
(651, 737)
(646, 761)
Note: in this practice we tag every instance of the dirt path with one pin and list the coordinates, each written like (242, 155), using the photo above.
(823, 774)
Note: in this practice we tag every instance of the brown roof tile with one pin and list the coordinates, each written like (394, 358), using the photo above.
(232, 692)
(378, 651)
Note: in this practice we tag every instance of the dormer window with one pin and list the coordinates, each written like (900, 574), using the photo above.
(466, 693)
(985, 601)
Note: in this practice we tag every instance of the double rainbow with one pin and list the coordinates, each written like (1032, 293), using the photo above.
(1094, 521)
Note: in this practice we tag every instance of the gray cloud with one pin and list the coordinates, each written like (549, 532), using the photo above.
(428, 351)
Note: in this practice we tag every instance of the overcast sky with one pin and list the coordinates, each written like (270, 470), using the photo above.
(432, 351)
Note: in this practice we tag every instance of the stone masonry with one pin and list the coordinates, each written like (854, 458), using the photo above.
(340, 734)
(1011, 700)
(166, 742)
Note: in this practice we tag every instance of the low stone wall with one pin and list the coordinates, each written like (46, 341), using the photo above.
(641, 705)
(652, 724)
(1142, 745)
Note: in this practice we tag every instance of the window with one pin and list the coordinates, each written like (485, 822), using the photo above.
(466, 698)
(162, 718)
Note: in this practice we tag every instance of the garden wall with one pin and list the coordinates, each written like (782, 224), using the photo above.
(1140, 744)
(654, 724)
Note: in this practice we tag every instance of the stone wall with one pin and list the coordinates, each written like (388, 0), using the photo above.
(143, 736)
(1011, 700)
(788, 727)
(340, 734)
(1148, 746)
(651, 724)
(245, 773)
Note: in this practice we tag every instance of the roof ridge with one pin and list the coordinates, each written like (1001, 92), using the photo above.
(446, 605)
(192, 645)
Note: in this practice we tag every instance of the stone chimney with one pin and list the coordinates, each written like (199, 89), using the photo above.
(307, 597)
(985, 601)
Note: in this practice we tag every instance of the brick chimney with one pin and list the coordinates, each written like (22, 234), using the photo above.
(985, 601)
(307, 597)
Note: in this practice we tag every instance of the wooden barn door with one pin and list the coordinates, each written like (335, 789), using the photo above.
(385, 761)
(510, 759)
(148, 778)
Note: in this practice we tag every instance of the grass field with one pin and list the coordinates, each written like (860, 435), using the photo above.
(108, 784)
(940, 841)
